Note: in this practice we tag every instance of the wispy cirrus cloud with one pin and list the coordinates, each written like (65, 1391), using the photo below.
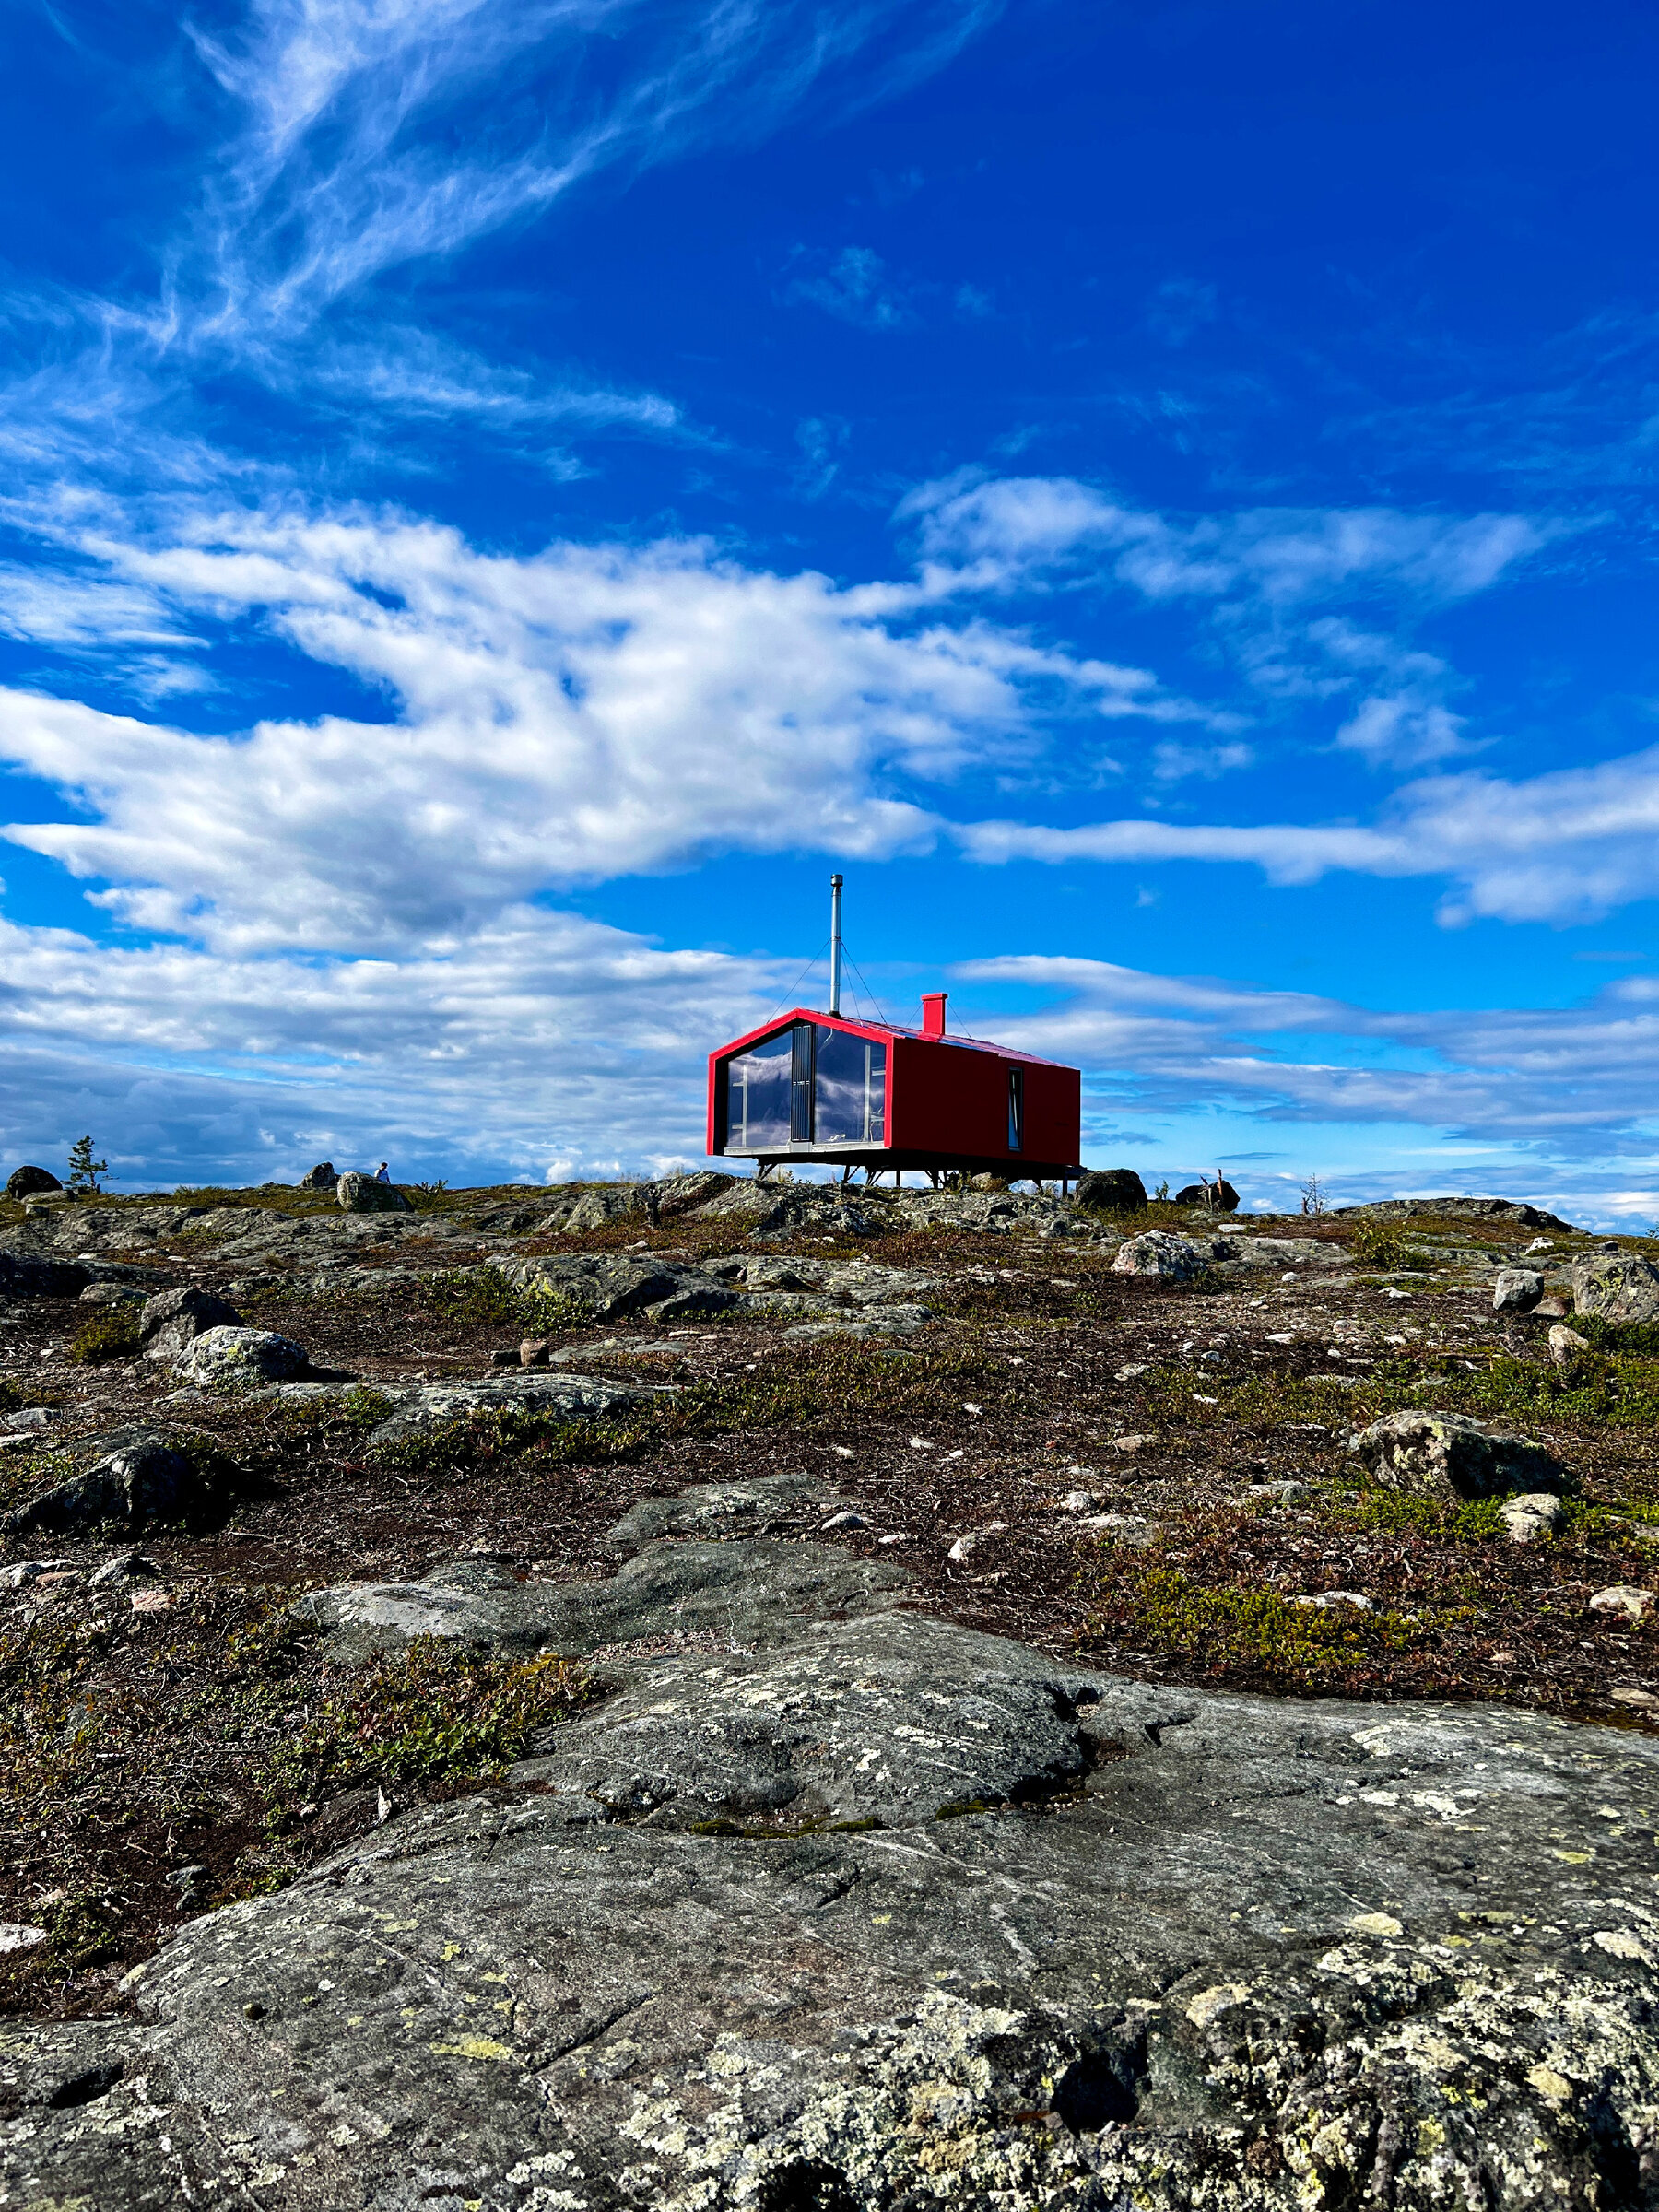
(1578, 1081)
(1268, 580)
(348, 140)
(854, 286)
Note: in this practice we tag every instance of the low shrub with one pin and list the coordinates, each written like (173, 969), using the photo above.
(111, 1333)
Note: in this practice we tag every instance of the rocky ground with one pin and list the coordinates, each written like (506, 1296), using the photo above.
(883, 1700)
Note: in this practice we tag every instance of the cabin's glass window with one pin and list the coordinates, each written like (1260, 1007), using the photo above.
(851, 1088)
(1016, 1110)
(843, 1074)
(758, 1094)
(809, 1084)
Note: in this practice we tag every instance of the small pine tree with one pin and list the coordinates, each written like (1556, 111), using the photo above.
(84, 1171)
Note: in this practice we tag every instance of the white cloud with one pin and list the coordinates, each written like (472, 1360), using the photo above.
(1576, 1084)
(543, 1038)
(1261, 574)
(1567, 846)
(344, 166)
(592, 711)
(1282, 557)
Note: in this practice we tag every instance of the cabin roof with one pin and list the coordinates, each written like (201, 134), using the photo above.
(881, 1030)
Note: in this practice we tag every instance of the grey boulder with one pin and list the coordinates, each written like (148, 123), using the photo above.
(41, 1278)
(1516, 1290)
(609, 1287)
(1111, 1191)
(1616, 1285)
(1156, 1252)
(886, 1914)
(724, 1509)
(1448, 1455)
(751, 1595)
(173, 1320)
(827, 1731)
(222, 1357)
(147, 1479)
(320, 1178)
(433, 1405)
(362, 1194)
(29, 1182)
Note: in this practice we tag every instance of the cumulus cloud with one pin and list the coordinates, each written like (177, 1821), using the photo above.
(543, 1039)
(593, 711)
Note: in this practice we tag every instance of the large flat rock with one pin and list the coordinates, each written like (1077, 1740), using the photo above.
(1193, 1950)
(754, 1596)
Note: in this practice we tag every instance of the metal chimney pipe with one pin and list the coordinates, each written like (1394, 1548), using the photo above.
(835, 945)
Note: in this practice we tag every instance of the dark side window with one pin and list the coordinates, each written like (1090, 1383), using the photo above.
(1016, 1110)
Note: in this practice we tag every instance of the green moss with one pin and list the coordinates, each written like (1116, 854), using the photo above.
(1240, 1628)
(430, 1715)
(477, 1296)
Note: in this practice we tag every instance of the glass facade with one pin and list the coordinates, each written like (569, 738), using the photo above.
(809, 1084)
(757, 1095)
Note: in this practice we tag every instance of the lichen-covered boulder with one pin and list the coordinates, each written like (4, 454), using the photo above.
(1449, 1456)
(1616, 1285)
(862, 1910)
(29, 1183)
(1156, 1252)
(221, 1358)
(1111, 1191)
(361, 1194)
(173, 1320)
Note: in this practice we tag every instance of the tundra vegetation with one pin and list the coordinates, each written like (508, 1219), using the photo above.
(1146, 1474)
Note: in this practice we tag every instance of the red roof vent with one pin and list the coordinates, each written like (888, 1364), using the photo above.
(932, 1013)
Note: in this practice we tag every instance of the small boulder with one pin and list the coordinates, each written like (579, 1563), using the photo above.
(1623, 1598)
(173, 1320)
(1516, 1290)
(361, 1194)
(1616, 1285)
(29, 1182)
(1111, 1191)
(145, 1481)
(1220, 1196)
(1156, 1252)
(1533, 1515)
(220, 1358)
(1565, 1344)
(1448, 1455)
(320, 1178)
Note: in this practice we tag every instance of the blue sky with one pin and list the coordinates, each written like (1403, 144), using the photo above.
(498, 498)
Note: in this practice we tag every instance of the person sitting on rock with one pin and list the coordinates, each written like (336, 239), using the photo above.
(380, 1174)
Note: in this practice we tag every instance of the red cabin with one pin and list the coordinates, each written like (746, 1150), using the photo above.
(819, 1088)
